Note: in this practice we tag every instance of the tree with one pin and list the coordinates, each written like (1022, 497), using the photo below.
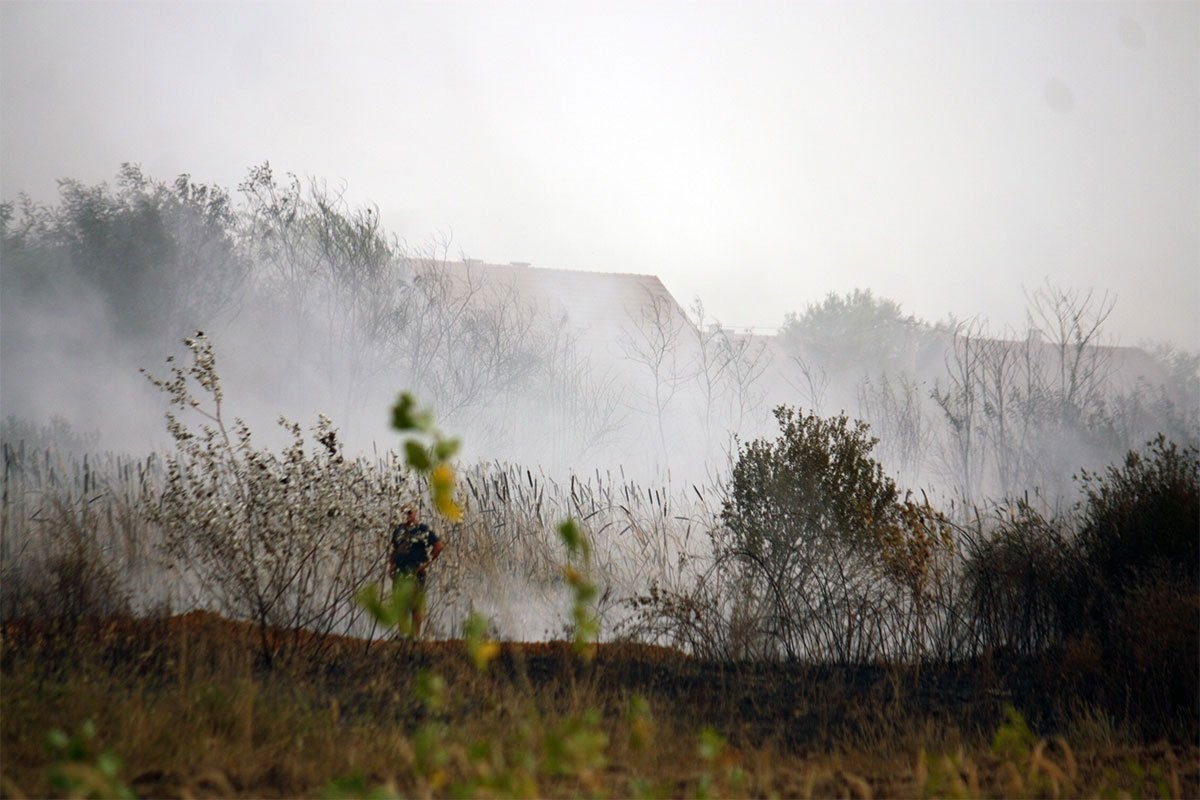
(162, 258)
(959, 402)
(747, 361)
(1070, 321)
(727, 370)
(578, 411)
(711, 364)
(1024, 411)
(895, 408)
(852, 334)
(1139, 411)
(338, 273)
(472, 340)
(652, 340)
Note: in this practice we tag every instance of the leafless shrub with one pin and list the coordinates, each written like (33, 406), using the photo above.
(282, 539)
(896, 410)
(651, 339)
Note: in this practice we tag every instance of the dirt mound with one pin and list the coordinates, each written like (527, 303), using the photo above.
(209, 624)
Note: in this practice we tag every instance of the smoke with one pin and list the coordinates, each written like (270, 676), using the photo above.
(314, 307)
(592, 395)
(60, 358)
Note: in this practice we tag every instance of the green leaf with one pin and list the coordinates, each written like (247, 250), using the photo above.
(355, 787)
(430, 748)
(370, 598)
(441, 486)
(446, 449)
(417, 456)
(430, 689)
(641, 722)
(1014, 740)
(712, 744)
(407, 417)
(108, 764)
(572, 536)
(57, 741)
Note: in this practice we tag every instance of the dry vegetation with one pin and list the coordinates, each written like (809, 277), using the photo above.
(181, 701)
(203, 625)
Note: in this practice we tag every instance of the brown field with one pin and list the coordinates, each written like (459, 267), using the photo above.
(190, 712)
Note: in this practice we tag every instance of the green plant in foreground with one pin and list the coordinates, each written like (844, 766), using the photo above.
(1013, 740)
(395, 610)
(577, 571)
(428, 452)
(355, 787)
(76, 772)
(480, 648)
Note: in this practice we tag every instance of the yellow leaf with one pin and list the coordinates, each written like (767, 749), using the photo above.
(483, 653)
(448, 508)
(442, 477)
(441, 483)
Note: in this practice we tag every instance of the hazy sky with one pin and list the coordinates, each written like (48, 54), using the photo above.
(757, 155)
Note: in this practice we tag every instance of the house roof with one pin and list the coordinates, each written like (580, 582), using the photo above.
(593, 304)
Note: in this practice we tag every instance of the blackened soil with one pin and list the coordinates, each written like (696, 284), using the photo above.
(798, 706)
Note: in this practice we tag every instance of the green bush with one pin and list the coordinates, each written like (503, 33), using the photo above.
(815, 487)
(815, 555)
(813, 525)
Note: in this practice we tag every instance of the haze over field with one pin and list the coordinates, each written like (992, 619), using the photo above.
(757, 155)
(1030, 170)
(847, 333)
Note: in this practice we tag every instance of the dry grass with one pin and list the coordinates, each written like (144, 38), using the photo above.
(182, 702)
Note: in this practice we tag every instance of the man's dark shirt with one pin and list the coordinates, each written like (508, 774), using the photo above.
(411, 545)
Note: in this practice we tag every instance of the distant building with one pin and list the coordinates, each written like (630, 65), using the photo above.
(594, 306)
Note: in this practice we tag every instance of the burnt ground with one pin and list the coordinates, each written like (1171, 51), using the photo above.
(802, 707)
(864, 720)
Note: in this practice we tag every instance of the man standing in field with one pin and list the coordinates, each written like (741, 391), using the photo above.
(414, 548)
